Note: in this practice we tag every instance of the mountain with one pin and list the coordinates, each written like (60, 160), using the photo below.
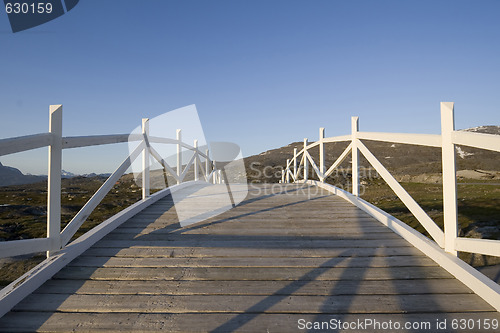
(12, 176)
(401, 160)
(67, 174)
(489, 129)
(93, 174)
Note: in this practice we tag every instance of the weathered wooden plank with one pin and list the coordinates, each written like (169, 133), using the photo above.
(290, 209)
(333, 207)
(398, 261)
(255, 223)
(262, 266)
(344, 287)
(250, 236)
(151, 252)
(271, 230)
(269, 218)
(228, 322)
(252, 273)
(362, 304)
(146, 274)
(286, 242)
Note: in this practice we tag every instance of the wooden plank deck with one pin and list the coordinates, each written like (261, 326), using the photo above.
(286, 255)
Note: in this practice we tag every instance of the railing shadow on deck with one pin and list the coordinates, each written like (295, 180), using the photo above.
(447, 241)
(254, 311)
(59, 242)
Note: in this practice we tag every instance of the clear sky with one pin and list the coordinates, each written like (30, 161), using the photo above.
(261, 73)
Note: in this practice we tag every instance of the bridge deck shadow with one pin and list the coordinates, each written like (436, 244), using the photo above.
(286, 257)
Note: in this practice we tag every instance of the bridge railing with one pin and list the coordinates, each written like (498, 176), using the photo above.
(297, 170)
(57, 239)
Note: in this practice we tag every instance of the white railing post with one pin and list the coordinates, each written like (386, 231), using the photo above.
(449, 178)
(207, 167)
(145, 160)
(287, 170)
(304, 156)
(321, 154)
(196, 160)
(179, 156)
(355, 156)
(294, 164)
(214, 173)
(54, 180)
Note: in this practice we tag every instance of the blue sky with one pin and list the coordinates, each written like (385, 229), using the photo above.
(261, 73)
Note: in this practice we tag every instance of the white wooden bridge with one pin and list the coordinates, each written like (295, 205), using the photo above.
(288, 257)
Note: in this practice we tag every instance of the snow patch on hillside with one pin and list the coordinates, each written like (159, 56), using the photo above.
(462, 153)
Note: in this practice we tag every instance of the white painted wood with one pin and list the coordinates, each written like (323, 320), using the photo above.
(288, 163)
(160, 159)
(201, 167)
(409, 202)
(96, 140)
(478, 140)
(179, 155)
(479, 283)
(294, 164)
(321, 154)
(304, 159)
(29, 282)
(25, 246)
(23, 143)
(431, 140)
(211, 177)
(312, 145)
(188, 166)
(339, 160)
(145, 159)
(488, 247)
(328, 140)
(287, 170)
(196, 161)
(156, 139)
(87, 209)
(450, 210)
(300, 152)
(300, 167)
(313, 165)
(54, 180)
(340, 138)
(355, 156)
(207, 166)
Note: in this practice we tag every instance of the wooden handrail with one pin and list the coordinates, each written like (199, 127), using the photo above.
(89, 207)
(24, 143)
(447, 140)
(57, 240)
